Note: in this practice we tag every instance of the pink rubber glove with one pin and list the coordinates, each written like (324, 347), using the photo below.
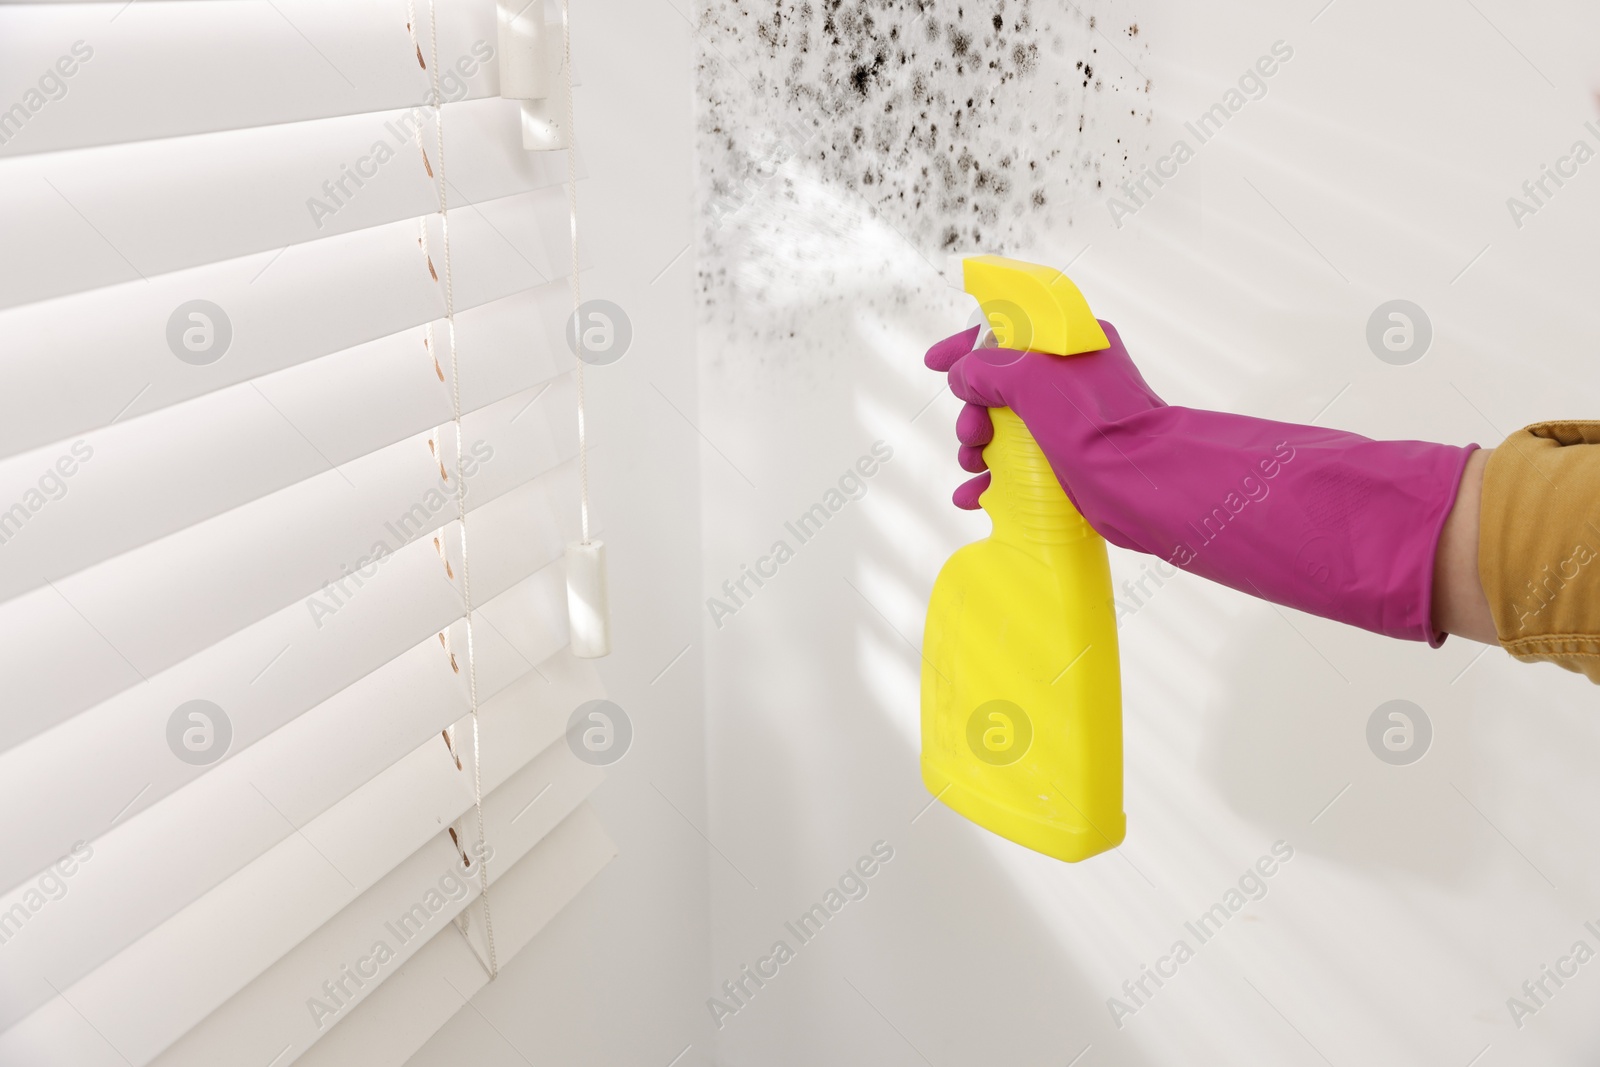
(1321, 520)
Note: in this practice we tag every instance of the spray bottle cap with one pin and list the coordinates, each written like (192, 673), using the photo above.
(1032, 308)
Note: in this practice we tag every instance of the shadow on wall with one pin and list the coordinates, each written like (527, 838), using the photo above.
(948, 958)
(1399, 759)
(1288, 745)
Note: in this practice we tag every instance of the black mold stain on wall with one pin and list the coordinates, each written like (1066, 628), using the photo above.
(962, 125)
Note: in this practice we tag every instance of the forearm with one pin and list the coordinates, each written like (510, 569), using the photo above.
(1460, 606)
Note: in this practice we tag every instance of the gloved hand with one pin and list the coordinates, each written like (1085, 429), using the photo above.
(1325, 521)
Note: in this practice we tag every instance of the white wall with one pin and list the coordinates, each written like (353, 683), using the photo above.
(618, 976)
(1377, 166)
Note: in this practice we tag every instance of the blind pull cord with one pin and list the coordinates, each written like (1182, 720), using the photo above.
(588, 607)
(536, 71)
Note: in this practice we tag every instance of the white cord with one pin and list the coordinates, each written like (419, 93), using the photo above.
(577, 295)
(461, 481)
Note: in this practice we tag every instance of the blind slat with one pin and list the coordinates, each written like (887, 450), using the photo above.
(272, 1013)
(87, 360)
(167, 68)
(147, 478)
(87, 637)
(189, 201)
(313, 879)
(114, 759)
(145, 868)
(400, 1015)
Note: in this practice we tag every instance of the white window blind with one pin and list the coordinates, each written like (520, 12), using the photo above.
(236, 759)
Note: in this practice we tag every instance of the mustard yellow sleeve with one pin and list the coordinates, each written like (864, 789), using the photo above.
(1539, 544)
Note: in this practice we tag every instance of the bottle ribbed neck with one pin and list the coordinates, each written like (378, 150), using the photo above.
(1024, 500)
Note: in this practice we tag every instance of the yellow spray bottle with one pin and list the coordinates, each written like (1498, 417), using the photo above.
(1021, 684)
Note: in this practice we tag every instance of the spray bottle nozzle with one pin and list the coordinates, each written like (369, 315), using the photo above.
(1032, 307)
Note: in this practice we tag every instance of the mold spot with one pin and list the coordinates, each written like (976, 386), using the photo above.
(954, 125)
